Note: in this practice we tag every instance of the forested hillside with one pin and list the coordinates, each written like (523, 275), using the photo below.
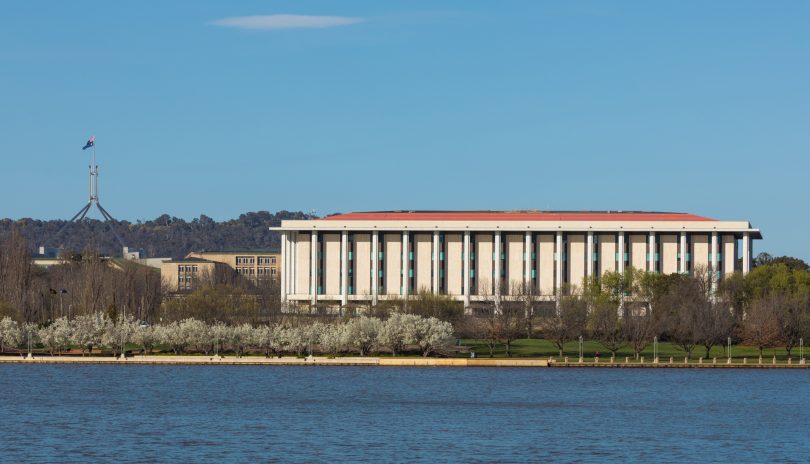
(162, 236)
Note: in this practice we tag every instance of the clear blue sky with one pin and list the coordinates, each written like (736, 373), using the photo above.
(701, 107)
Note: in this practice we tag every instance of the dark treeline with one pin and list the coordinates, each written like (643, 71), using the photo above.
(164, 236)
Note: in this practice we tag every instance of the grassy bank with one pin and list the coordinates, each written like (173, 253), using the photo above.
(539, 348)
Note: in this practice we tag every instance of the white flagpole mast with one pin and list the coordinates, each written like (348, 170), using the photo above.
(95, 171)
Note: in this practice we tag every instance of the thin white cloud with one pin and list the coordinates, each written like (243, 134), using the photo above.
(285, 21)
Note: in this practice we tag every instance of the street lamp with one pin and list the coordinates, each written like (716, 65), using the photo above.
(729, 348)
(28, 326)
(580, 348)
(801, 349)
(655, 349)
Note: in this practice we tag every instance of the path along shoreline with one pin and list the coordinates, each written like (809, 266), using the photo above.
(396, 362)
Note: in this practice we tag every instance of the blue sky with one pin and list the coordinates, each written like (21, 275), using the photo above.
(224, 107)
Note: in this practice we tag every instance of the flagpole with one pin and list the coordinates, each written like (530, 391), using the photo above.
(95, 169)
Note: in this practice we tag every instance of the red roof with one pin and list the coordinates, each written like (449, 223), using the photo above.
(516, 216)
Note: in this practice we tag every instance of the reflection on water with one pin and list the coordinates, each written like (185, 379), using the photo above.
(368, 414)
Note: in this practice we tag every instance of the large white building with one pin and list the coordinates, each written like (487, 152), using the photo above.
(474, 255)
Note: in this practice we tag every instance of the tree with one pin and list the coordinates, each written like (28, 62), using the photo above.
(428, 304)
(295, 339)
(87, 330)
(10, 334)
(792, 318)
(362, 333)
(264, 338)
(715, 320)
(241, 337)
(146, 337)
(511, 315)
(639, 329)
(56, 336)
(606, 325)
(760, 327)
(431, 334)
(332, 338)
(394, 331)
(117, 332)
(568, 322)
(173, 335)
(681, 313)
(527, 296)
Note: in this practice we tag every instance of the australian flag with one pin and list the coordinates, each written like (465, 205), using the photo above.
(90, 142)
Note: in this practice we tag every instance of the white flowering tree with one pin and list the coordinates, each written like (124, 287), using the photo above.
(198, 335)
(431, 334)
(172, 334)
(395, 332)
(219, 334)
(241, 338)
(56, 336)
(10, 333)
(117, 333)
(297, 339)
(146, 337)
(264, 339)
(86, 331)
(361, 333)
(332, 338)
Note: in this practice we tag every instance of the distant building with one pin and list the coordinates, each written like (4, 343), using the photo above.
(262, 265)
(479, 255)
(184, 274)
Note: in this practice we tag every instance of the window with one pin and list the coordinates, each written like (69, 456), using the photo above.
(273, 260)
(272, 271)
(194, 268)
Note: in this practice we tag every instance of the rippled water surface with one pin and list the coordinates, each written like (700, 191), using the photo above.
(365, 414)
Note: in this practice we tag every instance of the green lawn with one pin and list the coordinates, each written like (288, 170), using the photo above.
(538, 348)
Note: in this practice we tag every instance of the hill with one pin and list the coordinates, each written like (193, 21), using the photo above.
(163, 236)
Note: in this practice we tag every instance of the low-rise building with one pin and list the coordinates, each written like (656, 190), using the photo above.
(480, 255)
(185, 274)
(257, 266)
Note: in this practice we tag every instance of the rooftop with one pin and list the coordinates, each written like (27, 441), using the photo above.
(247, 251)
(188, 260)
(518, 215)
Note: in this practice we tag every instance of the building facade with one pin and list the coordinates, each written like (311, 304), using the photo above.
(258, 266)
(254, 265)
(473, 256)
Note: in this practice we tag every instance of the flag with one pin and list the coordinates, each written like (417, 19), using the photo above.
(90, 142)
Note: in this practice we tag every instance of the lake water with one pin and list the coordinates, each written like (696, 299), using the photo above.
(53, 413)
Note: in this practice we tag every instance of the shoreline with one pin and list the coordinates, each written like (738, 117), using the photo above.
(387, 362)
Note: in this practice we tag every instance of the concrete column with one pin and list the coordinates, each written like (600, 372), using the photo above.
(715, 263)
(436, 262)
(621, 248)
(293, 275)
(746, 253)
(527, 259)
(589, 254)
(466, 271)
(286, 262)
(496, 285)
(651, 264)
(406, 265)
(344, 268)
(375, 266)
(682, 262)
(558, 264)
(313, 268)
